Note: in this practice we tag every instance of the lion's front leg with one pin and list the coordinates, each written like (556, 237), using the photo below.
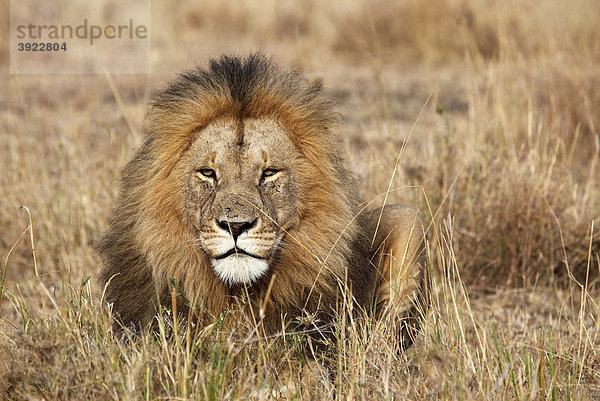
(397, 238)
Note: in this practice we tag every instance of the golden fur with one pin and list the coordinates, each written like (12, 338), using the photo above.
(326, 248)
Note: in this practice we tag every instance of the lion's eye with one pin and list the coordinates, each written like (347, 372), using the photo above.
(269, 172)
(207, 172)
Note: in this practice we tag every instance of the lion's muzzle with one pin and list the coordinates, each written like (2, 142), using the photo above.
(239, 249)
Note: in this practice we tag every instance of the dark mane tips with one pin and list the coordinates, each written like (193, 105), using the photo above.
(234, 77)
(241, 76)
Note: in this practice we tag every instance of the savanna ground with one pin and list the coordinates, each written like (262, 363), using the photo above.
(484, 115)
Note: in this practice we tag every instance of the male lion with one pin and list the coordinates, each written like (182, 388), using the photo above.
(242, 190)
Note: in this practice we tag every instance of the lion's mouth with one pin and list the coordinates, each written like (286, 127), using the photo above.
(237, 252)
(238, 266)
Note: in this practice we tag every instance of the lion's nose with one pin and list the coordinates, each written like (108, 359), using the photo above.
(236, 228)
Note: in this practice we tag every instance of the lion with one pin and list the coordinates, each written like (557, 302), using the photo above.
(242, 190)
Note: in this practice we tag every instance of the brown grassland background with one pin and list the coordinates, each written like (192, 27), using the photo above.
(485, 115)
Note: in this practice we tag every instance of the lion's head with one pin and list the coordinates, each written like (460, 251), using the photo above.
(241, 182)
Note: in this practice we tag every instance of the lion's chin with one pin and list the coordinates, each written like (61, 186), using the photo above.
(239, 269)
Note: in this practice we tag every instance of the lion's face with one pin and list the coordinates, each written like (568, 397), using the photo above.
(240, 194)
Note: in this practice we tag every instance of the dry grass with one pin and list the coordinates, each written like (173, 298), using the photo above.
(503, 161)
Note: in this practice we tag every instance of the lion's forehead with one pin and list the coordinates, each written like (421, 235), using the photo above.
(250, 142)
(258, 130)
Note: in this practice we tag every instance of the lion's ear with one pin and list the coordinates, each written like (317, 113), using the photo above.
(398, 238)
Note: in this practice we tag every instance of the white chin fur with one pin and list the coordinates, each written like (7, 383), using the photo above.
(239, 269)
